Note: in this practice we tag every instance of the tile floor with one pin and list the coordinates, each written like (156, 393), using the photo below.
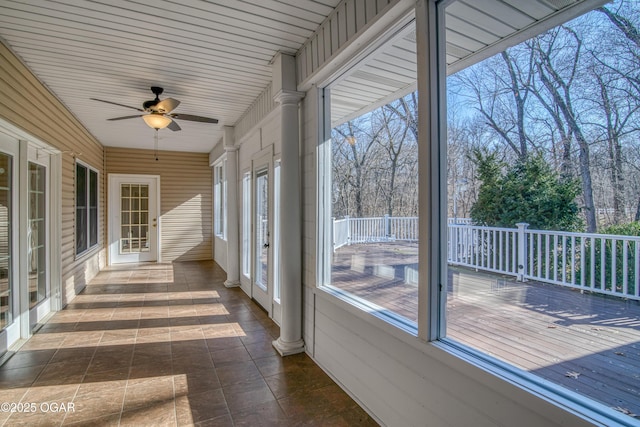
(166, 345)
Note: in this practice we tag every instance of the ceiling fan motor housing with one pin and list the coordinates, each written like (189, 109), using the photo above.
(149, 105)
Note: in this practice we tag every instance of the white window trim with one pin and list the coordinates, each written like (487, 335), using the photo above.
(245, 231)
(220, 198)
(89, 168)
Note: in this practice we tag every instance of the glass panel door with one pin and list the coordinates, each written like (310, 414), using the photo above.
(262, 225)
(262, 240)
(6, 224)
(134, 237)
(133, 230)
(37, 235)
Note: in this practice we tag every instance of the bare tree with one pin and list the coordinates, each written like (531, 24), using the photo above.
(558, 78)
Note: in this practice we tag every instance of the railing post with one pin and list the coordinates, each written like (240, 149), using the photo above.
(347, 219)
(522, 250)
(333, 233)
(387, 227)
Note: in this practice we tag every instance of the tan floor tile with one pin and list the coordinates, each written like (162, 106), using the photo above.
(152, 392)
(96, 405)
(195, 382)
(264, 414)
(28, 358)
(111, 420)
(246, 394)
(161, 413)
(39, 417)
(230, 355)
(200, 407)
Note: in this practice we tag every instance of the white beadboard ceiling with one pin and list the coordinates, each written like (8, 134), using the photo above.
(214, 55)
(475, 30)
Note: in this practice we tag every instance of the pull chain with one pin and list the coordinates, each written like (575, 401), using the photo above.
(155, 151)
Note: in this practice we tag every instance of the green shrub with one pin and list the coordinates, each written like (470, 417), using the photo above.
(528, 191)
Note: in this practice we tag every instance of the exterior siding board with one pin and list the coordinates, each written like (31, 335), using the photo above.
(347, 21)
(27, 104)
(261, 107)
(186, 188)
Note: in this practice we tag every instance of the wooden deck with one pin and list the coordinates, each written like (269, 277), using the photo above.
(587, 343)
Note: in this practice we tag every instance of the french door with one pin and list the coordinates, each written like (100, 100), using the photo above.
(38, 265)
(262, 289)
(265, 259)
(133, 213)
(25, 237)
(10, 318)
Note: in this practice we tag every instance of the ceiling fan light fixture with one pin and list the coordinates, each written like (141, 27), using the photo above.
(156, 121)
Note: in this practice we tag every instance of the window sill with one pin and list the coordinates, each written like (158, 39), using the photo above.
(367, 310)
(88, 253)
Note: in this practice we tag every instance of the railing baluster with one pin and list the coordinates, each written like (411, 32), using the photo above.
(625, 267)
(546, 257)
(603, 264)
(614, 267)
(582, 262)
(636, 276)
(573, 261)
(593, 263)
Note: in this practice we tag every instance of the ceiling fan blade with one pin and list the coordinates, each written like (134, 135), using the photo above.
(166, 105)
(193, 118)
(126, 117)
(174, 126)
(115, 103)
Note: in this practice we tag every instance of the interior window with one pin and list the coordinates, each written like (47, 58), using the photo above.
(86, 208)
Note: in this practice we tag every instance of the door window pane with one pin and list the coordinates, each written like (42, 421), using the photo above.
(6, 194)
(36, 235)
(134, 202)
(262, 229)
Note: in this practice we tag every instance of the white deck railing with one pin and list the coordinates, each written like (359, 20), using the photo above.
(606, 264)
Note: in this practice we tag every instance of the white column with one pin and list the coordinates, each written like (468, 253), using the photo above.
(290, 341)
(233, 231)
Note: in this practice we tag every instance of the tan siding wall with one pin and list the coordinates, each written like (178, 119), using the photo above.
(185, 197)
(27, 104)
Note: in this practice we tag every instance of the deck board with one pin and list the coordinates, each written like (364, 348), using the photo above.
(550, 330)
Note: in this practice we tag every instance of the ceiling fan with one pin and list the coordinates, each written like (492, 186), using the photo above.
(158, 113)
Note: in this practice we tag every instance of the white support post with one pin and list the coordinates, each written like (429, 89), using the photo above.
(333, 234)
(387, 227)
(233, 228)
(522, 250)
(290, 340)
(348, 220)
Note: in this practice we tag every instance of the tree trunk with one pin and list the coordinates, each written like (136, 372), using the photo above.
(547, 72)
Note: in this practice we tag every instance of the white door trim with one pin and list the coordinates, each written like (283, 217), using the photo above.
(114, 212)
(261, 162)
(41, 158)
